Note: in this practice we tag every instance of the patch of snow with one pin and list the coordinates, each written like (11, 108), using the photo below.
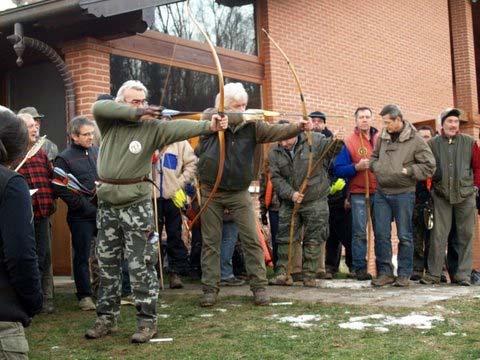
(293, 336)
(301, 321)
(206, 315)
(355, 325)
(221, 310)
(416, 320)
(163, 306)
(163, 316)
(55, 347)
(155, 340)
(281, 303)
(449, 333)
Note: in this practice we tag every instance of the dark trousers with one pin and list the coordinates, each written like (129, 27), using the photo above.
(170, 217)
(273, 219)
(41, 238)
(82, 233)
(340, 221)
(196, 251)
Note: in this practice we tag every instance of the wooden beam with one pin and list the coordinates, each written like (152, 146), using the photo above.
(158, 47)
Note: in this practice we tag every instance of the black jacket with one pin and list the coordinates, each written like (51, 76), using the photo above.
(20, 288)
(81, 163)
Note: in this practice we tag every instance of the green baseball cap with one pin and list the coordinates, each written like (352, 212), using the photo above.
(31, 111)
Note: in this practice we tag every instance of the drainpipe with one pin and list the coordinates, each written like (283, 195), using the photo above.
(21, 42)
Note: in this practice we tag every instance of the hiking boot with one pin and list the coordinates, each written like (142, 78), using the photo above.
(233, 281)
(297, 277)
(86, 304)
(462, 282)
(362, 275)
(260, 297)
(402, 281)
(309, 282)
(175, 282)
(144, 334)
(208, 299)
(324, 275)
(282, 280)
(100, 328)
(428, 279)
(48, 307)
(383, 280)
(416, 275)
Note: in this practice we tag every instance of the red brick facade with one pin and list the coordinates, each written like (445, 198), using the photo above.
(89, 62)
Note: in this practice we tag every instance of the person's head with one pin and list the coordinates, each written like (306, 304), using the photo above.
(363, 118)
(13, 137)
(35, 114)
(133, 93)
(236, 98)
(287, 143)
(319, 120)
(392, 118)
(450, 120)
(31, 127)
(426, 132)
(82, 131)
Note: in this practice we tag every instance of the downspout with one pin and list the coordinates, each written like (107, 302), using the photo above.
(20, 42)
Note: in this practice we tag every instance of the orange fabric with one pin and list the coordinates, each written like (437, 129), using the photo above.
(268, 191)
(429, 183)
(353, 144)
(262, 238)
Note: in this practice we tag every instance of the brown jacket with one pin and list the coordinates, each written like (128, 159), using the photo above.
(409, 151)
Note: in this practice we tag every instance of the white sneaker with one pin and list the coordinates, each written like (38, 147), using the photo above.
(86, 304)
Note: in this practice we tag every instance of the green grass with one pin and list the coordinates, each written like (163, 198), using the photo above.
(247, 332)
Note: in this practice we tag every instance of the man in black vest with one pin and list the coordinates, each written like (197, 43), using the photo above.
(80, 160)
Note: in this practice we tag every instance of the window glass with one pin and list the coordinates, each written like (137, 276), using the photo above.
(230, 27)
(186, 90)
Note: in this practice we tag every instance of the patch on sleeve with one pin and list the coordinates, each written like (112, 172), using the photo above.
(170, 161)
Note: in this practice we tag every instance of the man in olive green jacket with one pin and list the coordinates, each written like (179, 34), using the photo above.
(241, 139)
(130, 134)
(289, 163)
(453, 196)
(399, 160)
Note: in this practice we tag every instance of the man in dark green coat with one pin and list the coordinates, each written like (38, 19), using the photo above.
(289, 162)
(241, 139)
(453, 195)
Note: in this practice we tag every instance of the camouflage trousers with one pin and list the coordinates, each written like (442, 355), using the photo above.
(13, 344)
(125, 231)
(313, 217)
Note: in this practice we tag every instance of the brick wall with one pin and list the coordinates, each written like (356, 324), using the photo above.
(89, 62)
(349, 53)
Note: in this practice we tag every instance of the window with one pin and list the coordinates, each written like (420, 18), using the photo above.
(186, 90)
(230, 27)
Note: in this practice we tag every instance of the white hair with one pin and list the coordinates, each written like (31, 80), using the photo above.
(3, 108)
(233, 92)
(130, 84)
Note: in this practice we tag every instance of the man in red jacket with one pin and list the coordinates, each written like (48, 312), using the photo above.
(38, 172)
(352, 163)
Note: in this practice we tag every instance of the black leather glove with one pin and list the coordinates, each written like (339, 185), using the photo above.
(264, 219)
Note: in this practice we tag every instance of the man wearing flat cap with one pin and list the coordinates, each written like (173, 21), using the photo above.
(454, 193)
(49, 147)
(319, 120)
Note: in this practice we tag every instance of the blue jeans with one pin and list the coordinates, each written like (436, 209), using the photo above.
(227, 247)
(359, 231)
(386, 208)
